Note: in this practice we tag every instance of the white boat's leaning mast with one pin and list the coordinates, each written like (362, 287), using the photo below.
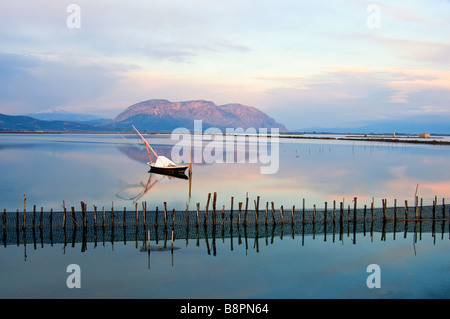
(146, 145)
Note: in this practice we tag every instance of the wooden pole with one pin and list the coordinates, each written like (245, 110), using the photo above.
(24, 211)
(406, 209)
(434, 209)
(395, 209)
(214, 208)
(293, 218)
(112, 215)
(144, 210)
(83, 213)
(267, 213)
(4, 220)
(443, 208)
(95, 216)
(314, 213)
(256, 213)
(74, 218)
(334, 211)
(187, 215)
(165, 214)
(273, 214)
(206, 209)
(231, 211)
(421, 208)
(371, 208)
(34, 216)
(136, 213)
(246, 210)
(173, 217)
(303, 215)
(239, 212)
(198, 208)
(416, 200)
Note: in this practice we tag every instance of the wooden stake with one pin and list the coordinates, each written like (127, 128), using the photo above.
(198, 208)
(165, 214)
(293, 219)
(74, 218)
(144, 210)
(187, 215)
(173, 217)
(406, 209)
(314, 213)
(124, 217)
(95, 216)
(395, 209)
(34, 216)
(246, 210)
(267, 212)
(136, 213)
(273, 214)
(24, 211)
(239, 213)
(281, 213)
(206, 209)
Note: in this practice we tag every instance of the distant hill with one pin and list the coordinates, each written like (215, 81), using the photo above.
(150, 116)
(27, 123)
(61, 115)
(162, 115)
(410, 125)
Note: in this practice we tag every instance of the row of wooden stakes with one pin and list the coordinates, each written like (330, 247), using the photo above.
(241, 209)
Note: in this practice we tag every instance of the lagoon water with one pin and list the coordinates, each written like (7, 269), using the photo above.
(111, 171)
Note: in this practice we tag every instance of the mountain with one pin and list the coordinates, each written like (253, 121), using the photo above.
(162, 115)
(27, 123)
(61, 115)
(150, 116)
(407, 125)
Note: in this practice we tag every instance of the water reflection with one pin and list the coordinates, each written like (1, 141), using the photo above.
(161, 231)
(142, 189)
(95, 168)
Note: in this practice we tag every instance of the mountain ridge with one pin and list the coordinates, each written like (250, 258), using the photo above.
(185, 112)
(155, 115)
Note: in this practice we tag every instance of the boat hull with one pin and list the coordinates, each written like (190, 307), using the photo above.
(173, 171)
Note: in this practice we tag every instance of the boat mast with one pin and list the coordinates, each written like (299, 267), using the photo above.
(146, 145)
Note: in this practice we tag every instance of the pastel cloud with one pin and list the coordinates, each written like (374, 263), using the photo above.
(296, 60)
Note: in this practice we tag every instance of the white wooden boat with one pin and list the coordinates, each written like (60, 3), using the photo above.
(163, 164)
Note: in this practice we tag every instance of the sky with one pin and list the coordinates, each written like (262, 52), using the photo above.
(328, 63)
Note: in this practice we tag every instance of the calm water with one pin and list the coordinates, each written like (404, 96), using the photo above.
(111, 170)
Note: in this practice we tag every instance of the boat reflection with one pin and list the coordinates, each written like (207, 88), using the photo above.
(153, 179)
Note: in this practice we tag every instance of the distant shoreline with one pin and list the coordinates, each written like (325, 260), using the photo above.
(412, 139)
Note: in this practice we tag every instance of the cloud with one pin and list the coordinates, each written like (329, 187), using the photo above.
(301, 62)
(34, 84)
(345, 95)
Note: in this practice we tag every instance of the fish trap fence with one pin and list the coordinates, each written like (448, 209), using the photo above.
(110, 226)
